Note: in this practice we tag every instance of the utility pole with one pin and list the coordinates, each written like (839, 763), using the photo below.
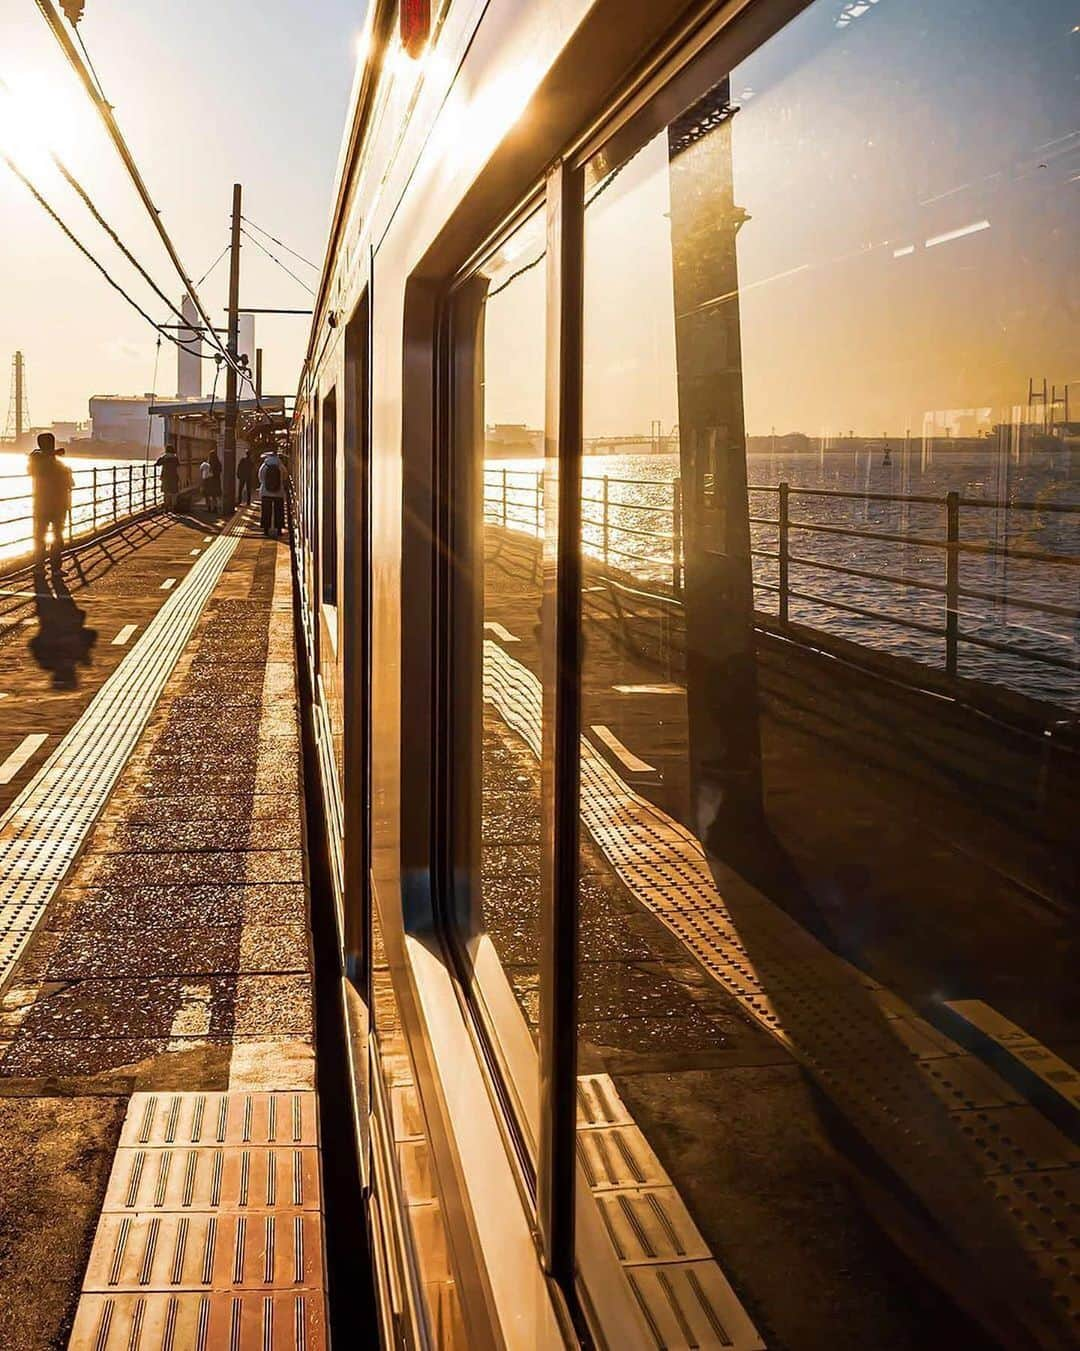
(228, 486)
(258, 372)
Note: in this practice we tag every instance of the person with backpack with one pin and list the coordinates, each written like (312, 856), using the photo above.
(51, 482)
(272, 494)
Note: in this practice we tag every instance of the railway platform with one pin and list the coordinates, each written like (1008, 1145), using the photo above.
(159, 1161)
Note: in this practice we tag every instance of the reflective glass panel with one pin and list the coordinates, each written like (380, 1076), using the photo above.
(498, 417)
(831, 502)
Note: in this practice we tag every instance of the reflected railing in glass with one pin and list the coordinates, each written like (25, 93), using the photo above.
(944, 571)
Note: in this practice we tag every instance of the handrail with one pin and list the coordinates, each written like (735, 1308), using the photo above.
(101, 496)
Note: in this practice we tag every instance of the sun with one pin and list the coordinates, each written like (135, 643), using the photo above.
(38, 120)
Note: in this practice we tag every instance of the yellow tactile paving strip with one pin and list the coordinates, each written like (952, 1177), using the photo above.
(211, 1235)
(44, 828)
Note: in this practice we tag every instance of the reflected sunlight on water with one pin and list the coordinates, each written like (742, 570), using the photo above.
(629, 516)
(119, 480)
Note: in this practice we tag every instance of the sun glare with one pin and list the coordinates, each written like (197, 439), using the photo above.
(39, 122)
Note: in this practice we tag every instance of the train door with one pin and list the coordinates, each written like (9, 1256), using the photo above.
(355, 645)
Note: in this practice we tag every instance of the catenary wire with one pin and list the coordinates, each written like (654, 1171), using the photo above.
(105, 111)
(273, 238)
(278, 261)
(84, 250)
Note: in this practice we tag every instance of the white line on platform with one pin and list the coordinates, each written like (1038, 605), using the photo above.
(124, 634)
(503, 634)
(195, 553)
(26, 748)
(207, 538)
(632, 763)
(4, 694)
(167, 584)
(648, 689)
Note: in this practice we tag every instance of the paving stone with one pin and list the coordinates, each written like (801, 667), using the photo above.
(224, 868)
(223, 833)
(145, 907)
(136, 810)
(273, 1006)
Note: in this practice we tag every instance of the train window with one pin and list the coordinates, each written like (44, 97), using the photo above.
(831, 523)
(498, 444)
(329, 499)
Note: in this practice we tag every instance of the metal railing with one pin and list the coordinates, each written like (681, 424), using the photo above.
(100, 497)
(635, 527)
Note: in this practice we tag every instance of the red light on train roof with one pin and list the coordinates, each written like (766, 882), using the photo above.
(415, 25)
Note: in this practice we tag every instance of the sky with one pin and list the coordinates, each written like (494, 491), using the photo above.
(912, 187)
(207, 93)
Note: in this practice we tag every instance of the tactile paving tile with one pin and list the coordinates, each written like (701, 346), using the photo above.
(691, 1305)
(684, 1297)
(900, 1082)
(211, 1234)
(200, 1178)
(281, 1118)
(193, 1322)
(228, 1251)
(44, 828)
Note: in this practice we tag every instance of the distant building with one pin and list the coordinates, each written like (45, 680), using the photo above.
(124, 418)
(509, 440)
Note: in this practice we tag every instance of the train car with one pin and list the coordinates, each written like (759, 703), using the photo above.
(687, 516)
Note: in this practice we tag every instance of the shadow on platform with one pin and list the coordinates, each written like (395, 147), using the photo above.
(63, 642)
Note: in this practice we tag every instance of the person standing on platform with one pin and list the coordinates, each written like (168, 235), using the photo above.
(245, 471)
(51, 483)
(169, 464)
(272, 493)
(214, 484)
(206, 475)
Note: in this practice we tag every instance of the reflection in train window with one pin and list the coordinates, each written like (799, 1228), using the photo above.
(498, 445)
(831, 522)
(328, 482)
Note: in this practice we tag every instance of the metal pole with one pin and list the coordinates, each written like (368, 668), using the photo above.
(93, 505)
(604, 525)
(131, 490)
(115, 500)
(228, 487)
(504, 498)
(676, 542)
(952, 579)
(782, 549)
(258, 372)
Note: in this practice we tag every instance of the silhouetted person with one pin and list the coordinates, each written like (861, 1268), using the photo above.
(169, 464)
(213, 486)
(51, 483)
(272, 493)
(245, 472)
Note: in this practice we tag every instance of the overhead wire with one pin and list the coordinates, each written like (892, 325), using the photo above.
(51, 211)
(273, 238)
(97, 96)
(276, 260)
(77, 187)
